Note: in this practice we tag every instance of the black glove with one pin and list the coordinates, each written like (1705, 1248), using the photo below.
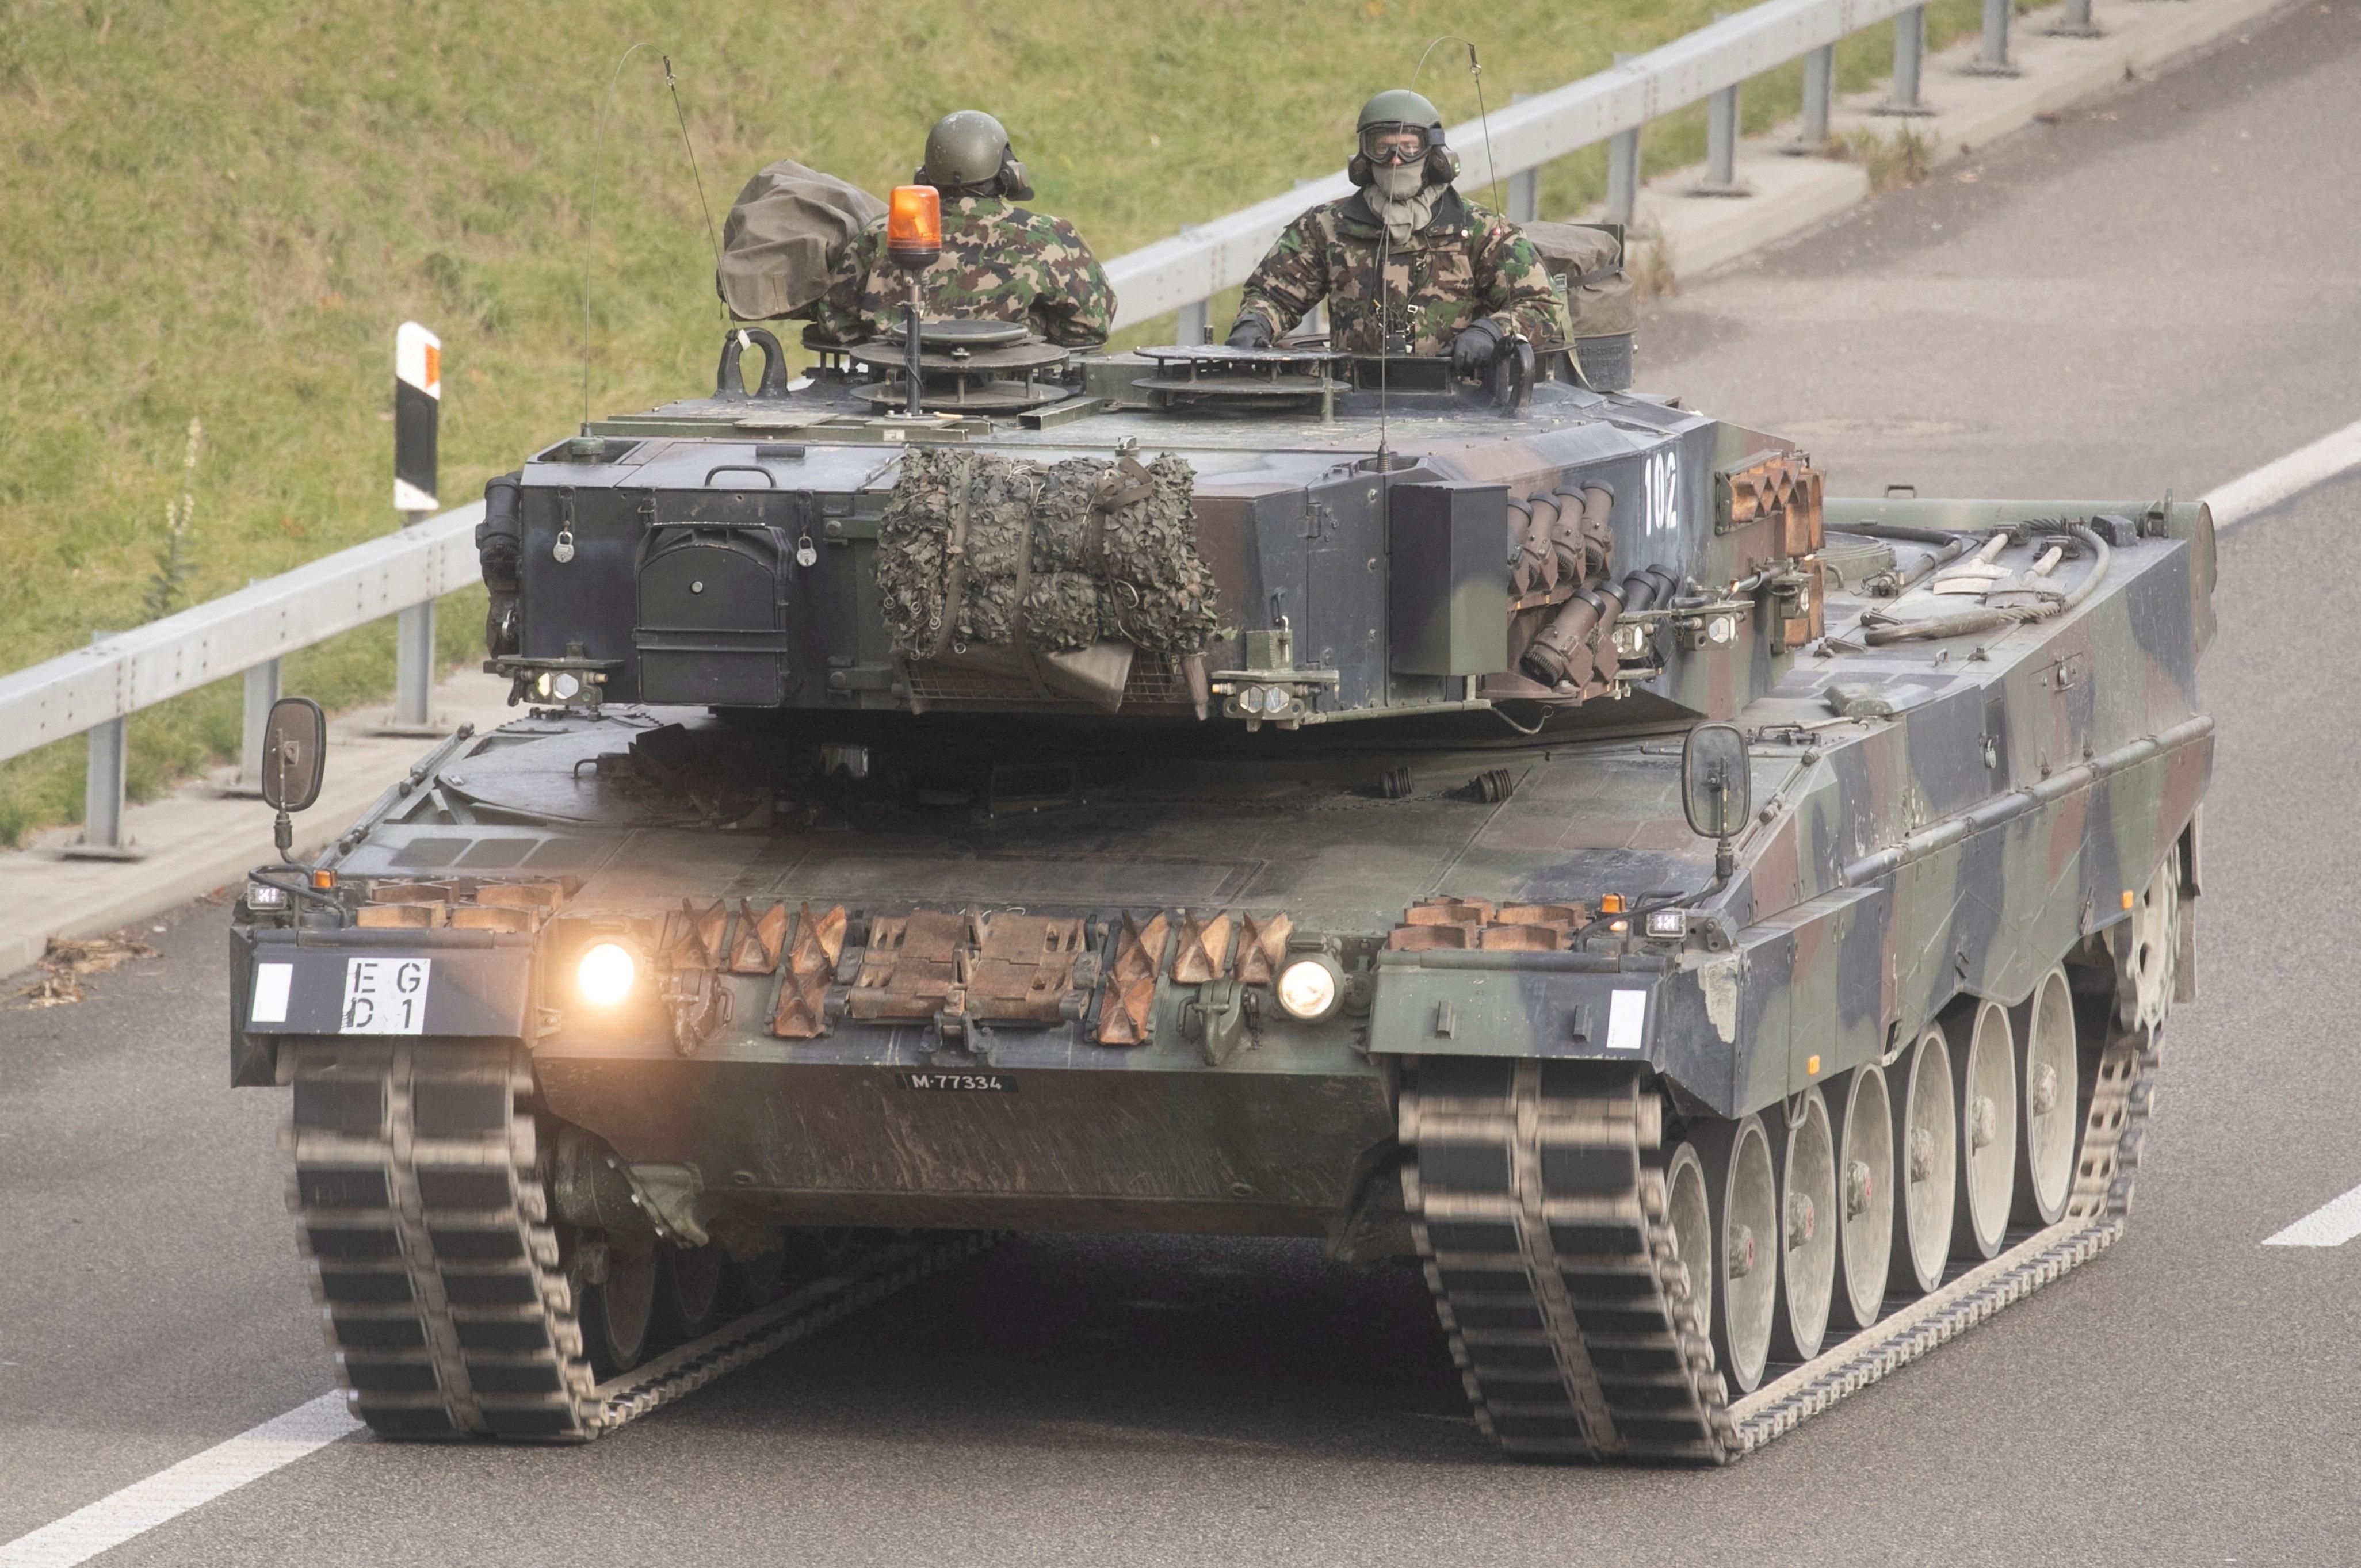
(1472, 350)
(1251, 332)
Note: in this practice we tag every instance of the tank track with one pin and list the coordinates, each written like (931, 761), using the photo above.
(1552, 1267)
(420, 1210)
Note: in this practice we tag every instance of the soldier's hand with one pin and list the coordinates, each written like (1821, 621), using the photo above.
(1472, 350)
(1251, 332)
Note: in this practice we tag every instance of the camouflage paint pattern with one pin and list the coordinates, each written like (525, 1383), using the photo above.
(1468, 264)
(999, 262)
(2026, 780)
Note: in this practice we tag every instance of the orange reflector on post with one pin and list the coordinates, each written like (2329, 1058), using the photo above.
(914, 225)
(2128, 899)
(1812, 1066)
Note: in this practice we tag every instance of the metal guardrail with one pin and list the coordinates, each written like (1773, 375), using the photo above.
(92, 689)
(1183, 272)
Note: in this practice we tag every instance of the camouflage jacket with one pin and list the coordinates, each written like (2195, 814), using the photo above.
(998, 262)
(1468, 262)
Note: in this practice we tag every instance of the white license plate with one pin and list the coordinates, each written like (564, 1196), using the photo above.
(385, 996)
(968, 1082)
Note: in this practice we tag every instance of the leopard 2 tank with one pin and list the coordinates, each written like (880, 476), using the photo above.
(1722, 932)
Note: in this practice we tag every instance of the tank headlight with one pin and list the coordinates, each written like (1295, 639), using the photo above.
(1310, 988)
(606, 974)
(566, 687)
(1720, 630)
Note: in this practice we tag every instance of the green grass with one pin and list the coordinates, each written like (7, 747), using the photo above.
(219, 210)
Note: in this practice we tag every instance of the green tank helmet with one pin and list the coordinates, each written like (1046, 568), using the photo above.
(967, 155)
(1399, 127)
(1400, 107)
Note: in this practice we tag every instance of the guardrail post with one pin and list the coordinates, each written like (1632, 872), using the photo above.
(1721, 141)
(1722, 147)
(1992, 60)
(102, 789)
(1524, 186)
(102, 793)
(1819, 98)
(1194, 324)
(1524, 195)
(1623, 176)
(2076, 23)
(1909, 61)
(1623, 171)
(262, 689)
(414, 662)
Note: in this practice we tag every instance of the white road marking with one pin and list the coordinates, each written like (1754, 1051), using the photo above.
(2333, 1223)
(193, 1483)
(2290, 476)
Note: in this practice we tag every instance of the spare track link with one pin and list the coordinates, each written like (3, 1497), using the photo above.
(1547, 1249)
(419, 1207)
(1553, 1262)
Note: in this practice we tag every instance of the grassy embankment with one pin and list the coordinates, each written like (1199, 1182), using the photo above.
(218, 210)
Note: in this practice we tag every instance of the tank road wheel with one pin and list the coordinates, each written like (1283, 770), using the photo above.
(1865, 1199)
(1926, 1172)
(1690, 1214)
(2047, 1070)
(1744, 1191)
(758, 1281)
(688, 1291)
(615, 1296)
(1807, 1229)
(1984, 1082)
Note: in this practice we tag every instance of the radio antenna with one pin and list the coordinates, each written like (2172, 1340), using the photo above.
(598, 147)
(673, 82)
(1483, 115)
(1385, 332)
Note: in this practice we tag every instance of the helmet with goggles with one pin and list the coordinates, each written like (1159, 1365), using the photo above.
(1399, 127)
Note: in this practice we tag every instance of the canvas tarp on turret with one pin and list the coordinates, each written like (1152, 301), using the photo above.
(783, 235)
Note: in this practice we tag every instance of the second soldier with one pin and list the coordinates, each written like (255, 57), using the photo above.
(999, 262)
(1406, 263)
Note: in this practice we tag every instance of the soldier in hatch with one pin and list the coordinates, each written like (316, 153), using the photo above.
(999, 261)
(1457, 278)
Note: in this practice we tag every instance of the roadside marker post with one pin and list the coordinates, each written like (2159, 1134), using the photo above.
(417, 411)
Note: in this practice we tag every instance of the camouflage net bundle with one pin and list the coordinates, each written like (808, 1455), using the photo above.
(980, 549)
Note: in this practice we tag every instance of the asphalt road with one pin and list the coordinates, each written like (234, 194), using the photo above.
(2162, 290)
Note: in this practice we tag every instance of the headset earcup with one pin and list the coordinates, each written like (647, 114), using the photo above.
(1442, 166)
(1359, 172)
(1013, 183)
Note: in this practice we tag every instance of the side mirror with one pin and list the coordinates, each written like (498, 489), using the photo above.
(294, 753)
(1717, 785)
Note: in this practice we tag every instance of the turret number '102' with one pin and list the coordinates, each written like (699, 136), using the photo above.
(1660, 489)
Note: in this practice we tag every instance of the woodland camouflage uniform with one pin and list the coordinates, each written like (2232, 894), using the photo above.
(999, 262)
(1467, 263)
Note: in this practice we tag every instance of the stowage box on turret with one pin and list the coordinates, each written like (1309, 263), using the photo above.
(1720, 932)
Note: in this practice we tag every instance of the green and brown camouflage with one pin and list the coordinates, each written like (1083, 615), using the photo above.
(976, 549)
(923, 938)
(1000, 262)
(1467, 264)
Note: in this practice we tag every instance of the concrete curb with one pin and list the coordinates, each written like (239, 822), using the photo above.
(1793, 193)
(198, 840)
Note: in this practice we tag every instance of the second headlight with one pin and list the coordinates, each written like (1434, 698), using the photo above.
(1311, 987)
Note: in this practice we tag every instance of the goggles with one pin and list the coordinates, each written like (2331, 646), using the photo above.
(1392, 142)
